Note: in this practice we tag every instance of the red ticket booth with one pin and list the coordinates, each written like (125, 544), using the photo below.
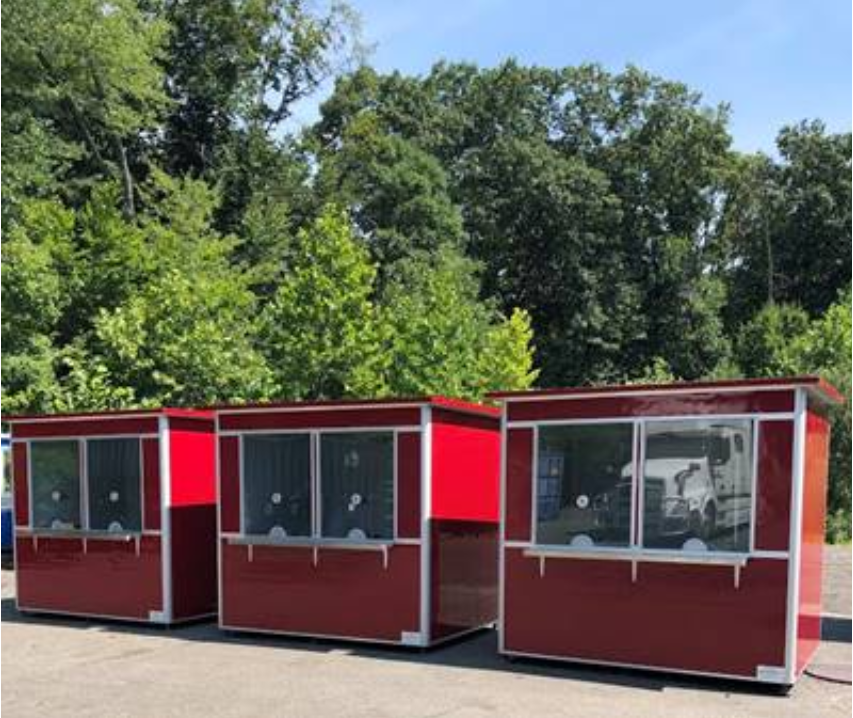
(369, 520)
(115, 514)
(676, 527)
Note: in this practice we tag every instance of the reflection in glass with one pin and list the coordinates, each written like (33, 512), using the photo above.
(698, 484)
(277, 485)
(55, 481)
(584, 484)
(115, 500)
(357, 484)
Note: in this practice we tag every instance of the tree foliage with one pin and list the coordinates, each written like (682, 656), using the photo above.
(171, 236)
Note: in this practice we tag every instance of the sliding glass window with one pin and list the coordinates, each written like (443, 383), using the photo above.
(277, 485)
(55, 484)
(114, 477)
(584, 484)
(357, 485)
(698, 478)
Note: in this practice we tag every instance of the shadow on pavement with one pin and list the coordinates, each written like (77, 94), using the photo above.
(476, 651)
(837, 629)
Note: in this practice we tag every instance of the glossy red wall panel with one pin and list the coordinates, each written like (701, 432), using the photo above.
(348, 593)
(193, 470)
(683, 617)
(108, 579)
(409, 484)
(151, 483)
(320, 419)
(519, 458)
(465, 467)
(21, 485)
(90, 427)
(653, 405)
(464, 576)
(193, 544)
(812, 536)
(774, 485)
(229, 483)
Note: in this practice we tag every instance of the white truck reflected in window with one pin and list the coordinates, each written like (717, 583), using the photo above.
(698, 484)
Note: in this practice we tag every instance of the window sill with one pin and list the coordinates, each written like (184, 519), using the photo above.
(315, 544)
(294, 542)
(711, 558)
(80, 534)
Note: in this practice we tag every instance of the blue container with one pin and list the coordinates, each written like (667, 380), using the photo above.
(6, 539)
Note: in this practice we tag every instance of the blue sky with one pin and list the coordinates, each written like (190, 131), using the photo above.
(774, 61)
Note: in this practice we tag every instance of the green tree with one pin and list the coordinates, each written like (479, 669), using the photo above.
(82, 80)
(590, 197)
(786, 226)
(398, 193)
(781, 340)
(443, 340)
(320, 330)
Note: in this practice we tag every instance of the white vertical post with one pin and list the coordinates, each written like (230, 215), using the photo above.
(218, 487)
(426, 512)
(501, 527)
(795, 536)
(165, 517)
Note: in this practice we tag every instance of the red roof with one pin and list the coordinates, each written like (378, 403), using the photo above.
(439, 402)
(208, 412)
(817, 387)
(114, 414)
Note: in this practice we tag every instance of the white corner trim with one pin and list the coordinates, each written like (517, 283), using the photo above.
(165, 517)
(426, 513)
(795, 537)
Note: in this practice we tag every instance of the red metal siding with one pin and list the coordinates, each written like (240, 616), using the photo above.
(320, 419)
(192, 447)
(519, 451)
(409, 485)
(229, 483)
(21, 485)
(465, 467)
(347, 594)
(773, 510)
(812, 536)
(193, 471)
(464, 575)
(151, 483)
(90, 427)
(193, 546)
(746, 402)
(108, 580)
(684, 617)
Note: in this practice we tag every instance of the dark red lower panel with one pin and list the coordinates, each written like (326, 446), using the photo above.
(108, 579)
(679, 617)
(464, 576)
(348, 594)
(193, 560)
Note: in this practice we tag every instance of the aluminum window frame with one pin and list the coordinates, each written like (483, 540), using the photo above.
(635, 550)
(754, 424)
(316, 537)
(319, 486)
(241, 448)
(534, 498)
(140, 488)
(83, 485)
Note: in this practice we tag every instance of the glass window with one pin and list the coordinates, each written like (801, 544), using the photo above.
(277, 485)
(698, 485)
(357, 484)
(113, 471)
(584, 484)
(55, 482)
